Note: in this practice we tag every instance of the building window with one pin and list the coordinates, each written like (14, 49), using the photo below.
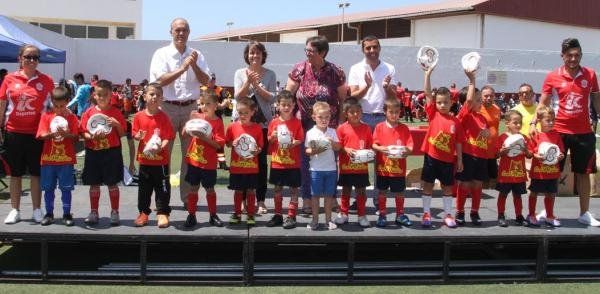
(57, 28)
(125, 33)
(94, 32)
(75, 31)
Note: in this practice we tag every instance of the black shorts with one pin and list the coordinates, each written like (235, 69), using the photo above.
(517, 189)
(395, 184)
(544, 186)
(196, 175)
(474, 168)
(240, 182)
(285, 177)
(436, 169)
(583, 152)
(103, 167)
(354, 180)
(492, 167)
(128, 130)
(23, 153)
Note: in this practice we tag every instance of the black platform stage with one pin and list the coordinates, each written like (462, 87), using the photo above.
(260, 255)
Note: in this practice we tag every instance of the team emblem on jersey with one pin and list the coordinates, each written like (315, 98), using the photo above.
(584, 83)
(39, 86)
(17, 86)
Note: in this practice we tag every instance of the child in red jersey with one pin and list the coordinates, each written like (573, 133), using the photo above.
(103, 158)
(285, 158)
(512, 174)
(353, 135)
(201, 158)
(474, 150)
(544, 177)
(153, 128)
(244, 171)
(58, 155)
(391, 166)
(443, 149)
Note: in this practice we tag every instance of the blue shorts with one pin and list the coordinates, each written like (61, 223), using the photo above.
(354, 180)
(517, 189)
(474, 168)
(395, 184)
(544, 186)
(436, 169)
(63, 173)
(323, 183)
(196, 175)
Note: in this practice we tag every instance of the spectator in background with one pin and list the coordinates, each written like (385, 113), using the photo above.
(407, 102)
(82, 96)
(94, 80)
(526, 107)
(3, 73)
(127, 94)
(454, 97)
(139, 94)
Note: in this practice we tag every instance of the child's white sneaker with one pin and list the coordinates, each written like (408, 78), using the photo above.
(38, 216)
(588, 219)
(331, 226)
(363, 221)
(541, 216)
(13, 217)
(341, 218)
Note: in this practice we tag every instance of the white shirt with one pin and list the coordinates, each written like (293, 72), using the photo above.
(168, 59)
(372, 102)
(324, 161)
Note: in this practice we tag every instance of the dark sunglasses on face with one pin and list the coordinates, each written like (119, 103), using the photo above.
(31, 57)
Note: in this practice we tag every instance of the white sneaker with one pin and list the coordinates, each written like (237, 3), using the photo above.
(332, 226)
(541, 216)
(341, 219)
(363, 222)
(37, 215)
(588, 219)
(14, 216)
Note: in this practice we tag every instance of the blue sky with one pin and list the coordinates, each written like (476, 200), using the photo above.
(211, 16)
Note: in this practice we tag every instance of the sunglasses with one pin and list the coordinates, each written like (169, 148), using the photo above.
(31, 57)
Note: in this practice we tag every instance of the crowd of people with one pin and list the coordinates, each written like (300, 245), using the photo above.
(323, 131)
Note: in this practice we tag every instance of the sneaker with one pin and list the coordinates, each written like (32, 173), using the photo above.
(234, 219)
(541, 216)
(162, 221)
(352, 207)
(37, 215)
(276, 220)
(475, 219)
(92, 218)
(261, 210)
(13, 217)
(341, 219)
(588, 219)
(502, 221)
(190, 221)
(449, 221)
(553, 222)
(426, 220)
(530, 221)
(250, 221)
(520, 220)
(381, 221)
(331, 226)
(289, 223)
(68, 220)
(312, 226)
(460, 218)
(403, 220)
(214, 220)
(363, 221)
(48, 219)
(115, 220)
(141, 220)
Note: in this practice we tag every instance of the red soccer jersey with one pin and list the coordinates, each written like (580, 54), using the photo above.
(201, 154)
(473, 123)
(573, 99)
(492, 117)
(400, 94)
(385, 135)
(356, 137)
(240, 165)
(158, 123)
(286, 158)
(454, 95)
(25, 100)
(538, 169)
(407, 99)
(112, 139)
(444, 132)
(58, 152)
(511, 169)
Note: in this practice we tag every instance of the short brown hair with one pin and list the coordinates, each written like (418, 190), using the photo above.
(60, 93)
(257, 45)
(390, 103)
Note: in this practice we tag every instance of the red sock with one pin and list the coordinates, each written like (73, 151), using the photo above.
(278, 198)
(113, 194)
(251, 203)
(237, 202)
(94, 198)
(475, 199)
(461, 198)
(192, 203)
(361, 205)
(518, 202)
(345, 204)
(532, 203)
(549, 205)
(501, 204)
(211, 202)
(381, 202)
(292, 208)
(399, 205)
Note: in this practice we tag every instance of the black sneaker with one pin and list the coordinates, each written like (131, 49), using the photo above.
(289, 223)
(460, 218)
(68, 220)
(48, 219)
(276, 220)
(502, 221)
(520, 220)
(190, 221)
(214, 220)
(475, 219)
(352, 207)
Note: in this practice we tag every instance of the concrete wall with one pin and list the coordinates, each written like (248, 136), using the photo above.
(297, 37)
(462, 31)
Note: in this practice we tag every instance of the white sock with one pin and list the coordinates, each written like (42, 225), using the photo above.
(448, 204)
(426, 203)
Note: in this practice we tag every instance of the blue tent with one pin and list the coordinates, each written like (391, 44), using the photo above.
(12, 38)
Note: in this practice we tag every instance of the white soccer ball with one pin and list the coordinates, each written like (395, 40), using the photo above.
(284, 137)
(59, 123)
(363, 156)
(198, 125)
(396, 151)
(152, 145)
(427, 57)
(470, 61)
(515, 143)
(321, 143)
(245, 146)
(550, 152)
(98, 123)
